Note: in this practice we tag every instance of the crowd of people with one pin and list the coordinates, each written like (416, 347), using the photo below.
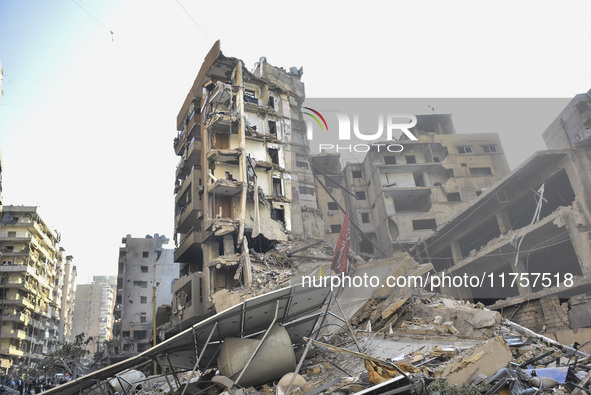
(31, 386)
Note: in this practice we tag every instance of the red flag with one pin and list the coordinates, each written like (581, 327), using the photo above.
(341, 251)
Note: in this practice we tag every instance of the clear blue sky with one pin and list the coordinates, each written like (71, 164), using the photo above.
(88, 117)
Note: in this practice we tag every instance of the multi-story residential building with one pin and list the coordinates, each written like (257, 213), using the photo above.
(572, 127)
(244, 178)
(93, 312)
(331, 192)
(401, 198)
(146, 272)
(33, 273)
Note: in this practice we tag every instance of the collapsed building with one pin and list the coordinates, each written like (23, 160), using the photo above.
(399, 198)
(244, 180)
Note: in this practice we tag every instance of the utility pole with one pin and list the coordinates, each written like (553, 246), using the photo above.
(154, 324)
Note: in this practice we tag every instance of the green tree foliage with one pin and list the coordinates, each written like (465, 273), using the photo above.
(68, 356)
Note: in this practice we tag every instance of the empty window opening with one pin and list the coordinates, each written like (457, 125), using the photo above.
(390, 160)
(145, 254)
(464, 149)
(224, 278)
(141, 284)
(489, 148)
(335, 228)
(479, 192)
(144, 269)
(140, 335)
(277, 187)
(412, 203)
(306, 190)
(128, 347)
(360, 195)
(125, 333)
(454, 197)
(365, 246)
(480, 171)
(436, 159)
(410, 159)
(485, 232)
(11, 234)
(143, 299)
(419, 180)
(142, 317)
(271, 102)
(278, 214)
(424, 224)
(365, 218)
(274, 155)
(250, 96)
(333, 206)
(272, 128)
(357, 174)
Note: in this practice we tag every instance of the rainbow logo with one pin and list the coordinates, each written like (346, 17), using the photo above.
(316, 119)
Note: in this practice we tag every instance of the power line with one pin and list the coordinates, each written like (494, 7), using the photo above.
(95, 18)
(193, 19)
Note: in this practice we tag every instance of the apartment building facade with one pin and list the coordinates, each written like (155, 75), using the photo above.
(37, 288)
(572, 127)
(93, 312)
(400, 198)
(146, 273)
(244, 179)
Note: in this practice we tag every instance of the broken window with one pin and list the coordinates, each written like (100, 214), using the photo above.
(277, 188)
(306, 190)
(141, 284)
(144, 269)
(128, 347)
(481, 171)
(145, 254)
(274, 155)
(365, 218)
(419, 180)
(143, 299)
(410, 159)
(140, 335)
(357, 174)
(390, 160)
(271, 102)
(335, 228)
(333, 206)
(278, 214)
(464, 149)
(250, 96)
(489, 148)
(273, 128)
(424, 224)
(360, 195)
(454, 197)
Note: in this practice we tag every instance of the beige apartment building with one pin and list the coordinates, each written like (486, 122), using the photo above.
(244, 180)
(37, 288)
(93, 312)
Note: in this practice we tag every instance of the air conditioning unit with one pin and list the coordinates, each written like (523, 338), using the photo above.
(328, 231)
(330, 212)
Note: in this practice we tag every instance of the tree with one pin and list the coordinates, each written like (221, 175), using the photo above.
(68, 357)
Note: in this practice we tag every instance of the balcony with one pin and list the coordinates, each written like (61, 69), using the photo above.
(224, 187)
(191, 179)
(229, 155)
(13, 333)
(188, 217)
(18, 317)
(191, 158)
(189, 247)
(12, 351)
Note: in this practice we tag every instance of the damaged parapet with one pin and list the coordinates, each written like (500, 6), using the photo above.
(244, 180)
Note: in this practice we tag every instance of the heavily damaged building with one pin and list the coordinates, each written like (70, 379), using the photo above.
(244, 180)
(572, 127)
(401, 198)
(525, 238)
(145, 277)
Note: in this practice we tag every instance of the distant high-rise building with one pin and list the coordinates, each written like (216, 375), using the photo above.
(145, 268)
(93, 312)
(36, 288)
